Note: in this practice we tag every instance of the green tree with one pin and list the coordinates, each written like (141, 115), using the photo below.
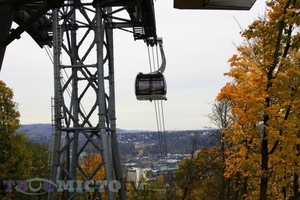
(15, 158)
(199, 176)
(221, 119)
(159, 189)
(40, 156)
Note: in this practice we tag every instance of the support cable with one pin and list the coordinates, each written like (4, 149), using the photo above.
(149, 59)
(49, 53)
(159, 113)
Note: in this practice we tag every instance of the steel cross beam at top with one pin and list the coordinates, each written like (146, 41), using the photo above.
(35, 18)
(29, 20)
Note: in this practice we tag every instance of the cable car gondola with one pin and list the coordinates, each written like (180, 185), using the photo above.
(152, 86)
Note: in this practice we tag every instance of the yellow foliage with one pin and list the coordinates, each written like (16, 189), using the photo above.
(263, 139)
(92, 168)
(93, 162)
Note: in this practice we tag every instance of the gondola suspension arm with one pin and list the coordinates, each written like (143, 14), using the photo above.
(163, 57)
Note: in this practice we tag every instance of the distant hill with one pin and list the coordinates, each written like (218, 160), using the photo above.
(41, 133)
(177, 141)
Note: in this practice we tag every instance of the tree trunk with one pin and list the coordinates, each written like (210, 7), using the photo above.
(264, 167)
(296, 185)
(296, 176)
(222, 193)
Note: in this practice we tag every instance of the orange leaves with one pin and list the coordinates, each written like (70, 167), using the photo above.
(264, 137)
(284, 10)
(92, 166)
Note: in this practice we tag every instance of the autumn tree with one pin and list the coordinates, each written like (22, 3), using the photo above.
(15, 158)
(91, 167)
(264, 98)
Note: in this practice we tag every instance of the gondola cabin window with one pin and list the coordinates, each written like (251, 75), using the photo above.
(150, 87)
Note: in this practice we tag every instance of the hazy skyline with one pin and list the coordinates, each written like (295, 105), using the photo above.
(197, 44)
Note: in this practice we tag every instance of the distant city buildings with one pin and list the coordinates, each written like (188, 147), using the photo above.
(141, 158)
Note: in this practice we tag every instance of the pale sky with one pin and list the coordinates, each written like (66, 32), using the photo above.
(197, 45)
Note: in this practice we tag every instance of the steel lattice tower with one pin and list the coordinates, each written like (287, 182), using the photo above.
(78, 84)
(85, 97)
